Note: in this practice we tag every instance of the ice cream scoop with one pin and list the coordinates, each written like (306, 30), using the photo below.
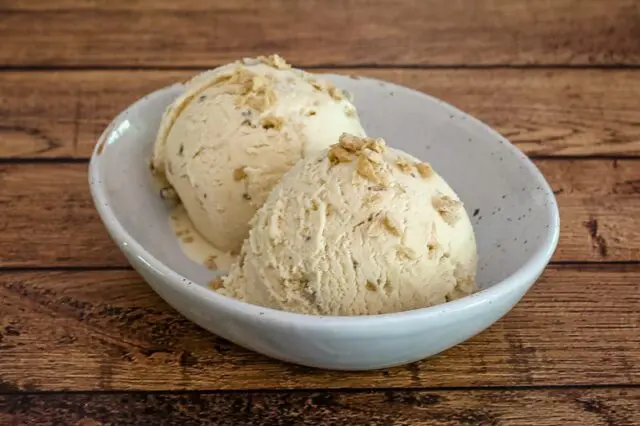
(359, 229)
(235, 131)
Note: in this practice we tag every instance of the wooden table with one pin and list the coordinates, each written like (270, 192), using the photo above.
(84, 341)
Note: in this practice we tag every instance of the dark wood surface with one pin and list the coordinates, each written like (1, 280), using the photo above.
(84, 341)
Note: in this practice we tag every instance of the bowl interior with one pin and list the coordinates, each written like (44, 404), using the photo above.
(512, 208)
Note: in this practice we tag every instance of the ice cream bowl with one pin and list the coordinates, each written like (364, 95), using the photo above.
(513, 209)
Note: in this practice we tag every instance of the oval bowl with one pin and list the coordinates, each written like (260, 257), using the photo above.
(513, 210)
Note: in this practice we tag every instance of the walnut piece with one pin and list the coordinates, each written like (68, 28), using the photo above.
(372, 172)
(338, 154)
(335, 93)
(272, 122)
(254, 90)
(276, 61)
(448, 208)
(404, 166)
(216, 283)
(239, 174)
(390, 226)
(425, 170)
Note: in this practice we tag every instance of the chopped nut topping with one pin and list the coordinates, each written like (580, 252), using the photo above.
(316, 84)
(371, 286)
(448, 208)
(216, 283)
(314, 205)
(239, 174)
(425, 170)
(310, 113)
(350, 112)
(336, 93)
(367, 169)
(369, 164)
(272, 122)
(404, 166)
(376, 145)
(188, 239)
(182, 232)
(373, 156)
(275, 61)
(390, 226)
(210, 263)
(338, 154)
(254, 90)
(351, 143)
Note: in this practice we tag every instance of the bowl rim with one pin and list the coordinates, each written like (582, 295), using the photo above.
(526, 274)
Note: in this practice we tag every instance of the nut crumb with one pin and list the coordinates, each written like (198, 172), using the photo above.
(310, 113)
(210, 263)
(351, 143)
(371, 286)
(239, 174)
(425, 170)
(253, 90)
(316, 84)
(367, 169)
(276, 61)
(217, 283)
(188, 239)
(448, 208)
(350, 112)
(338, 154)
(404, 166)
(272, 122)
(390, 226)
(336, 93)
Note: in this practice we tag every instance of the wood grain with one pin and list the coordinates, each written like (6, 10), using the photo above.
(545, 407)
(107, 330)
(49, 219)
(310, 32)
(545, 112)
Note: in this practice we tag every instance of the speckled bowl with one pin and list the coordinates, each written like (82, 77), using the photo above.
(513, 210)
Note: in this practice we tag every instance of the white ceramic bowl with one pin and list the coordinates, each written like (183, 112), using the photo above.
(512, 207)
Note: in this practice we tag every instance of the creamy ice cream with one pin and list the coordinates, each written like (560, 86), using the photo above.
(358, 229)
(235, 131)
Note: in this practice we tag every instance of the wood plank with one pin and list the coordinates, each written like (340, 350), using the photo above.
(50, 220)
(544, 407)
(545, 112)
(107, 330)
(309, 32)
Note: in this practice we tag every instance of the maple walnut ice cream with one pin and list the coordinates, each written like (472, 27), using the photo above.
(225, 142)
(359, 229)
